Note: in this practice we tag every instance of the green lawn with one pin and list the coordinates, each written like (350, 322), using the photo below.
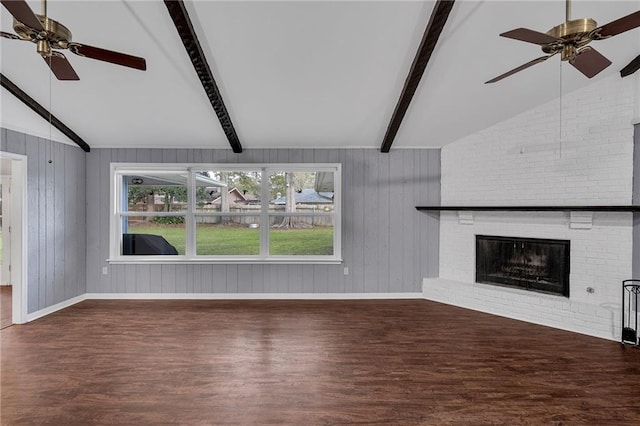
(241, 240)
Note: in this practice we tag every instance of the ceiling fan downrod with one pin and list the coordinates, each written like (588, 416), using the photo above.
(42, 45)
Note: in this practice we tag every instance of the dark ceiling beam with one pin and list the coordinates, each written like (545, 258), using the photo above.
(436, 23)
(42, 112)
(187, 34)
(631, 67)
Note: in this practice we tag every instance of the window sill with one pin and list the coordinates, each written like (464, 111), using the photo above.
(179, 260)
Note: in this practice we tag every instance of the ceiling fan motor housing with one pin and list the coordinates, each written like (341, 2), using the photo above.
(575, 33)
(55, 35)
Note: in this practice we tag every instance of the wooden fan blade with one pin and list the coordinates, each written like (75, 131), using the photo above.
(60, 67)
(520, 68)
(618, 26)
(631, 67)
(530, 36)
(108, 56)
(590, 62)
(9, 36)
(23, 13)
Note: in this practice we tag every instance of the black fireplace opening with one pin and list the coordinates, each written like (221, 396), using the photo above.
(527, 263)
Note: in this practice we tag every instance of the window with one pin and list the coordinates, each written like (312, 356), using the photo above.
(225, 213)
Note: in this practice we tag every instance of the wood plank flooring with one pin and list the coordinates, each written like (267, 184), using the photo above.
(402, 362)
(5, 306)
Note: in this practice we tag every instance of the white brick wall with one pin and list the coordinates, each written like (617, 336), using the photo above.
(523, 161)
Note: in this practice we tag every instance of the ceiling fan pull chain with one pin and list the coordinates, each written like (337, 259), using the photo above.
(560, 114)
(50, 58)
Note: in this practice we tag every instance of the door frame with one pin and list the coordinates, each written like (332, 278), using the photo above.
(5, 267)
(18, 235)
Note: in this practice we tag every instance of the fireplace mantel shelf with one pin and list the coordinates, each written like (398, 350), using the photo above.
(532, 208)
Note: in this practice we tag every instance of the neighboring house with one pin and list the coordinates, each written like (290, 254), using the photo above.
(235, 196)
(307, 196)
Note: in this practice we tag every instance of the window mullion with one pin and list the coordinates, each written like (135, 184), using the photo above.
(117, 182)
(264, 214)
(190, 237)
(337, 207)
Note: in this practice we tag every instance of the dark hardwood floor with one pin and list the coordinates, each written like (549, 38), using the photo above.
(5, 306)
(308, 363)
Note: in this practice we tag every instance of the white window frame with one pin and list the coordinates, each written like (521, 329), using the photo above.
(118, 170)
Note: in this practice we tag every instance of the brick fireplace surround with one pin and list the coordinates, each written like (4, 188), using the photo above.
(532, 160)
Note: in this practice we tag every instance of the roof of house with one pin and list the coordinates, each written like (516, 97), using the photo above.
(239, 195)
(307, 196)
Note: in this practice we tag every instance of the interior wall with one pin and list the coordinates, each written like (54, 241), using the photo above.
(56, 196)
(387, 245)
(636, 201)
(531, 160)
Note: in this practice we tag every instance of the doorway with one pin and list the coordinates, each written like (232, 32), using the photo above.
(13, 259)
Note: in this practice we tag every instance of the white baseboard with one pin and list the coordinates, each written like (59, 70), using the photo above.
(251, 296)
(219, 296)
(53, 308)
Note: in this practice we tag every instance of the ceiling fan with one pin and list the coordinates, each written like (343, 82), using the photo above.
(48, 34)
(571, 40)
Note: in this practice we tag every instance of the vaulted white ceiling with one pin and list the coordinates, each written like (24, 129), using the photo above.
(297, 73)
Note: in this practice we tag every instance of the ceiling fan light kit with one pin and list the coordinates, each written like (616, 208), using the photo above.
(49, 34)
(571, 39)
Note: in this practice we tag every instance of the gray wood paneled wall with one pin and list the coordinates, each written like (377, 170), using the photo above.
(56, 218)
(387, 244)
(636, 201)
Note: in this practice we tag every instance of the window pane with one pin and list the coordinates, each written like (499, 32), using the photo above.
(156, 192)
(301, 235)
(228, 191)
(169, 228)
(301, 191)
(227, 235)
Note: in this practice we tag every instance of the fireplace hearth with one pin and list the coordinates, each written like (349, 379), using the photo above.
(528, 263)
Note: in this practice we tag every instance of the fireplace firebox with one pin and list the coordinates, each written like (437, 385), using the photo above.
(528, 263)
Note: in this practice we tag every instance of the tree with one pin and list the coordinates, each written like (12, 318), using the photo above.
(172, 194)
(277, 184)
(292, 222)
(202, 196)
(138, 194)
(247, 182)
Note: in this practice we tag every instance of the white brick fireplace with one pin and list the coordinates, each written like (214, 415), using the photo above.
(532, 160)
